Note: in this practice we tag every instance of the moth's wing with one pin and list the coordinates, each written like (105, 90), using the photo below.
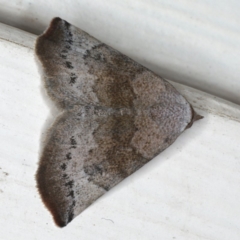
(79, 69)
(61, 180)
(91, 149)
(60, 51)
(85, 155)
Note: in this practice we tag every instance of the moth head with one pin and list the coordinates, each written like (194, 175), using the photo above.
(195, 117)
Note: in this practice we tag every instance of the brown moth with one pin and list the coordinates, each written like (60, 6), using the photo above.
(116, 116)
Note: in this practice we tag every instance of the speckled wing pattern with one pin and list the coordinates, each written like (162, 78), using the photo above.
(116, 116)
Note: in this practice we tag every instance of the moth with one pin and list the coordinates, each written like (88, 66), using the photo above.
(116, 115)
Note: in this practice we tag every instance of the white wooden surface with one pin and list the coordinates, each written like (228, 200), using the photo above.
(189, 192)
(192, 42)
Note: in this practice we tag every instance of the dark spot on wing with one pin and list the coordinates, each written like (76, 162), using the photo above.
(71, 194)
(63, 166)
(69, 156)
(70, 41)
(70, 216)
(73, 78)
(106, 187)
(93, 170)
(86, 54)
(69, 184)
(73, 142)
(68, 47)
(63, 56)
(69, 65)
(166, 139)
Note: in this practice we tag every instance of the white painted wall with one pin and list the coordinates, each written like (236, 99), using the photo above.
(189, 192)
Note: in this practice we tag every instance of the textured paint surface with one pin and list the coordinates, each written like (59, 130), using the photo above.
(116, 116)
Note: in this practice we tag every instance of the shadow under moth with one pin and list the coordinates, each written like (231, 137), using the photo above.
(116, 115)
